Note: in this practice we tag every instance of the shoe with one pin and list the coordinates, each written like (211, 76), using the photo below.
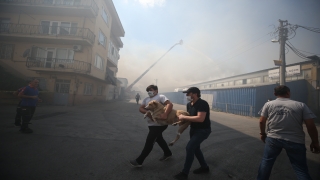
(164, 157)
(17, 124)
(26, 130)
(201, 170)
(181, 176)
(134, 163)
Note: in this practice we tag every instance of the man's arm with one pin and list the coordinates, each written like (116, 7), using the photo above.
(262, 125)
(25, 96)
(168, 110)
(22, 94)
(313, 133)
(142, 109)
(200, 117)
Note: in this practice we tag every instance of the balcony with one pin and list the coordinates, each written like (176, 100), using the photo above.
(58, 65)
(110, 79)
(83, 8)
(46, 34)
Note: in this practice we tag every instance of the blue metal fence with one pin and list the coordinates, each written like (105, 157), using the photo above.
(245, 101)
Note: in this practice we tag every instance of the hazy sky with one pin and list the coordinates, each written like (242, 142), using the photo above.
(221, 38)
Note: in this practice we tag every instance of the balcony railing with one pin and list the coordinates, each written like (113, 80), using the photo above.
(57, 3)
(110, 77)
(46, 30)
(58, 64)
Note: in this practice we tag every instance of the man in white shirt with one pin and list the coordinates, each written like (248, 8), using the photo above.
(155, 129)
(284, 131)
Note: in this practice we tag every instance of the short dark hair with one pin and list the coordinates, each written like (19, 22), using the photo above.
(154, 87)
(281, 90)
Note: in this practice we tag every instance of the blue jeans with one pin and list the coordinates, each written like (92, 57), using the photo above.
(295, 151)
(197, 136)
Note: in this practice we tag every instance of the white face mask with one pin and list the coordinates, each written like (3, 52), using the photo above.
(189, 98)
(150, 93)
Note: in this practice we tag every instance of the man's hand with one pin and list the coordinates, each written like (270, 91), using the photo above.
(263, 138)
(39, 100)
(314, 148)
(181, 117)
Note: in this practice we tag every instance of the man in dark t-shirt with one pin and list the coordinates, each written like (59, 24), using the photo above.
(29, 100)
(200, 130)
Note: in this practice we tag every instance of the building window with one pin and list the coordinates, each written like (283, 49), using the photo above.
(244, 81)
(104, 15)
(62, 86)
(88, 89)
(6, 51)
(253, 80)
(99, 90)
(64, 55)
(230, 83)
(57, 27)
(99, 62)
(56, 54)
(102, 39)
(4, 24)
(219, 84)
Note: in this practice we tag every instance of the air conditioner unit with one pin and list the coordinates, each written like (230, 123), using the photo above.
(77, 48)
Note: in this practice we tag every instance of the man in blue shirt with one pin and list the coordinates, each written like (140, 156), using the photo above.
(17, 121)
(29, 100)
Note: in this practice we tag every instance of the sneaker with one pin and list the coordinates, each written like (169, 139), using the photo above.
(164, 157)
(201, 170)
(26, 130)
(134, 163)
(181, 176)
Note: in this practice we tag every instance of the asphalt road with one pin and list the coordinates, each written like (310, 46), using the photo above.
(96, 142)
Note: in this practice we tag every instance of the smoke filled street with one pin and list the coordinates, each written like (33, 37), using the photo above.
(97, 141)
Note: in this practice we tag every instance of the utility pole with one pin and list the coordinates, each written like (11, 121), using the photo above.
(283, 36)
(156, 81)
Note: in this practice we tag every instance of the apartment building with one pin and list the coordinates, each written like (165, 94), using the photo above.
(71, 46)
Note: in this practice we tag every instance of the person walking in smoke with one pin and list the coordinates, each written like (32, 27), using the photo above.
(29, 96)
(155, 129)
(284, 131)
(138, 98)
(17, 119)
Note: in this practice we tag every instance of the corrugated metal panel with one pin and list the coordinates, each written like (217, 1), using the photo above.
(298, 91)
(176, 97)
(244, 101)
(236, 101)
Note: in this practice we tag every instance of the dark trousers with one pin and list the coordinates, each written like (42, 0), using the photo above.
(17, 119)
(154, 135)
(197, 136)
(295, 151)
(27, 113)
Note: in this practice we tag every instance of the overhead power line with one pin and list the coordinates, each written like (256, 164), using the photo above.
(316, 30)
(296, 51)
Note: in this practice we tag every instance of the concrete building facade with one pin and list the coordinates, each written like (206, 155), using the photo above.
(71, 46)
